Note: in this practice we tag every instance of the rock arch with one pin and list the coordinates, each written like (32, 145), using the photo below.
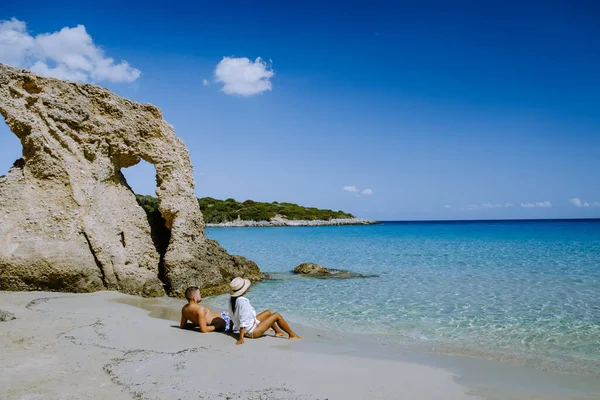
(10, 149)
(68, 219)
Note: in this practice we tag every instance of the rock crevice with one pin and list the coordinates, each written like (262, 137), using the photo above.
(68, 219)
(98, 263)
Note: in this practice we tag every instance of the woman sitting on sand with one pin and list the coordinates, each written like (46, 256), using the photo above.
(250, 324)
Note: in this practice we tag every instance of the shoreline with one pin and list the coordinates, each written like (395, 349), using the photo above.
(280, 222)
(560, 365)
(127, 346)
(93, 346)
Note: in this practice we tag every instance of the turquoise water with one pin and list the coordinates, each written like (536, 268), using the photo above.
(519, 289)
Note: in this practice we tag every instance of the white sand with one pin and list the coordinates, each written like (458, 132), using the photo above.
(88, 346)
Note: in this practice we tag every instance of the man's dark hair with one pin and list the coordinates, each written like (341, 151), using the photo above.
(189, 292)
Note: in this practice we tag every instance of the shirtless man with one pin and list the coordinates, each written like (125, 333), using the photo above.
(207, 319)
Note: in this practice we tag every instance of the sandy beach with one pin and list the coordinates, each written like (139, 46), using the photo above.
(73, 346)
(110, 345)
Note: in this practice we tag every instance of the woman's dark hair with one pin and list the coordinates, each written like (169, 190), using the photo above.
(232, 302)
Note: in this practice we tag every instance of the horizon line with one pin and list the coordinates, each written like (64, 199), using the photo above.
(593, 219)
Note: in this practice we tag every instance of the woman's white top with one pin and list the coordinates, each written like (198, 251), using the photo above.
(245, 315)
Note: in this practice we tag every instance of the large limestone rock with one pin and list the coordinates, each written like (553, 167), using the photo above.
(68, 219)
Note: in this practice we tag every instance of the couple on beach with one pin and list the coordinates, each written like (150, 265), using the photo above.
(241, 315)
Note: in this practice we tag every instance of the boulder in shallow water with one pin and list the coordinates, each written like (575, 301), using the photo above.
(318, 271)
(311, 270)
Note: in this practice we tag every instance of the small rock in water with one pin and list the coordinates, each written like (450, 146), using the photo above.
(311, 269)
(318, 271)
(6, 316)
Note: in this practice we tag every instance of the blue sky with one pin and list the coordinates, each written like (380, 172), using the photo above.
(473, 110)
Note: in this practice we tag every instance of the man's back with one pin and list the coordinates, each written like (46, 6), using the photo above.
(201, 316)
(192, 312)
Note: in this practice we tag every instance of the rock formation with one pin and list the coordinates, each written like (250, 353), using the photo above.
(293, 222)
(311, 270)
(68, 219)
(318, 271)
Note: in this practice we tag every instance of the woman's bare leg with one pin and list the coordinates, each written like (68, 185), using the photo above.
(266, 314)
(273, 319)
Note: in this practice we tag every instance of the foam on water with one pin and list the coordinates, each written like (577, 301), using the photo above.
(515, 289)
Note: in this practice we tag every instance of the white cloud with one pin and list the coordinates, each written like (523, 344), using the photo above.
(66, 54)
(596, 204)
(15, 42)
(205, 82)
(448, 206)
(541, 204)
(578, 203)
(243, 77)
(487, 206)
(490, 205)
(575, 201)
(354, 189)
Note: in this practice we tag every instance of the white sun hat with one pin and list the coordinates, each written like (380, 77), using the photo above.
(239, 286)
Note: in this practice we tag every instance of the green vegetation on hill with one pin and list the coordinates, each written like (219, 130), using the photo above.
(218, 211)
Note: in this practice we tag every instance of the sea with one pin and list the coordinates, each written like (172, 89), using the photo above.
(524, 291)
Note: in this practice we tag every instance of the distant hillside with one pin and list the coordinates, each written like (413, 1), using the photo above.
(219, 211)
